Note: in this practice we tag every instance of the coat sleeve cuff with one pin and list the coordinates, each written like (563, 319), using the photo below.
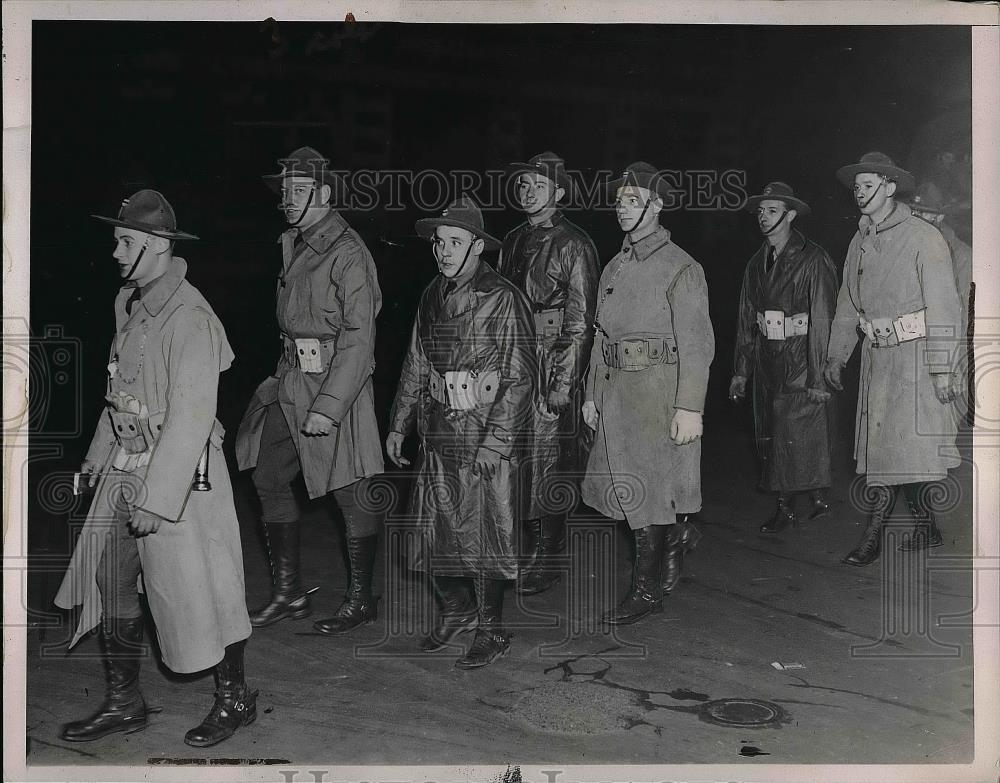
(329, 406)
(499, 440)
(157, 514)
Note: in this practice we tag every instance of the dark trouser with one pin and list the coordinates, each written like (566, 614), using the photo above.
(278, 466)
(119, 571)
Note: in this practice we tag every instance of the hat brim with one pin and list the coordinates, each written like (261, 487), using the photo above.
(522, 167)
(904, 179)
(426, 226)
(273, 181)
(662, 188)
(793, 203)
(149, 229)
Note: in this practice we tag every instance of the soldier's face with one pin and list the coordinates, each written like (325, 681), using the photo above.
(629, 205)
(535, 192)
(128, 244)
(295, 196)
(454, 247)
(769, 212)
(871, 192)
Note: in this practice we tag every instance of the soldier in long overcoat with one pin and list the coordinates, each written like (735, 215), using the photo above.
(467, 385)
(555, 264)
(150, 515)
(315, 415)
(898, 300)
(645, 395)
(786, 304)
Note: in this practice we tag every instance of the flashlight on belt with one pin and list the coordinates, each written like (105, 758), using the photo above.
(201, 482)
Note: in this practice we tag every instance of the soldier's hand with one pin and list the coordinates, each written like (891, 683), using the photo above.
(487, 463)
(686, 427)
(143, 523)
(558, 401)
(818, 395)
(590, 414)
(318, 424)
(944, 387)
(738, 388)
(394, 448)
(831, 372)
(90, 469)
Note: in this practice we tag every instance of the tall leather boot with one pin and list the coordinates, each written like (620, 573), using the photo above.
(123, 709)
(458, 613)
(784, 515)
(819, 506)
(870, 546)
(645, 596)
(925, 530)
(543, 573)
(359, 605)
(235, 704)
(491, 642)
(287, 597)
(682, 537)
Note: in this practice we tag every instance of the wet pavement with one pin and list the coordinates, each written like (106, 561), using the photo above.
(769, 651)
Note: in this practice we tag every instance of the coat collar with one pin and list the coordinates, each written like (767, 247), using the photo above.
(796, 244)
(159, 292)
(320, 236)
(648, 245)
(900, 214)
(465, 297)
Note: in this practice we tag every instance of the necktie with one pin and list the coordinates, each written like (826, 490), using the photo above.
(298, 240)
(769, 263)
(449, 288)
(135, 297)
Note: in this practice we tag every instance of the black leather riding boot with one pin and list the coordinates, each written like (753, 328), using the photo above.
(491, 642)
(543, 573)
(784, 515)
(682, 537)
(458, 613)
(818, 504)
(235, 704)
(869, 547)
(287, 597)
(359, 605)
(925, 530)
(124, 708)
(645, 596)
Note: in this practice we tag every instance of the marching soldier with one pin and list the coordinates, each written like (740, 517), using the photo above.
(898, 293)
(649, 366)
(555, 264)
(316, 414)
(150, 516)
(786, 304)
(467, 385)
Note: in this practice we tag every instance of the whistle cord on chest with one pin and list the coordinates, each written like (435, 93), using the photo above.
(113, 368)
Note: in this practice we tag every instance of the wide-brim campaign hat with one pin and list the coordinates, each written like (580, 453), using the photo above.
(548, 165)
(877, 163)
(148, 211)
(461, 213)
(779, 191)
(304, 162)
(644, 175)
(929, 198)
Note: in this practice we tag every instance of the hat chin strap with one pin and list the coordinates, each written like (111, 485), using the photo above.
(464, 260)
(305, 209)
(138, 258)
(780, 220)
(874, 192)
(640, 218)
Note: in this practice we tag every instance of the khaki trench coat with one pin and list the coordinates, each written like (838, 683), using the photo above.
(654, 292)
(466, 521)
(329, 291)
(170, 352)
(556, 268)
(903, 433)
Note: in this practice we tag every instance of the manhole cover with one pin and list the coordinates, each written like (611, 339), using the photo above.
(741, 712)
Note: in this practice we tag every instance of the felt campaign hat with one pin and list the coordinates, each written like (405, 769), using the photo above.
(461, 213)
(779, 191)
(877, 163)
(149, 211)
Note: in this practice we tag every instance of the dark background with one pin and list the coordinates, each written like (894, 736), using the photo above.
(200, 111)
